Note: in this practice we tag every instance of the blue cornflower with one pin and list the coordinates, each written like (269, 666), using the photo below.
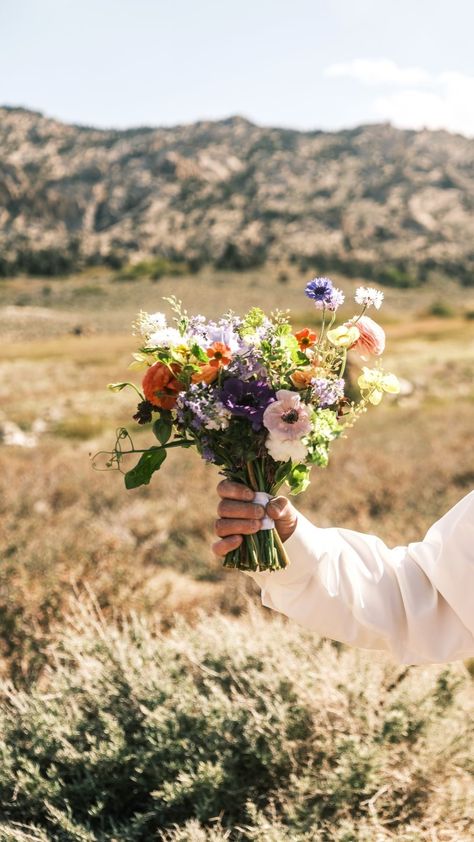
(324, 293)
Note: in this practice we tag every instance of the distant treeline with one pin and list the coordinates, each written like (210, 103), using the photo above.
(401, 274)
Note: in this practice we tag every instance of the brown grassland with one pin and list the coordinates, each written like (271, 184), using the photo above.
(69, 533)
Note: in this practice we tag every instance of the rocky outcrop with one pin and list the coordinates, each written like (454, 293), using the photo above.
(235, 194)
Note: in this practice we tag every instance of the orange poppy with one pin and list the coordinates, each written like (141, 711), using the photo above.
(219, 354)
(160, 379)
(206, 374)
(306, 338)
(301, 378)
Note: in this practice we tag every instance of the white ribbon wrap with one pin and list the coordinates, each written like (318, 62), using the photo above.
(262, 498)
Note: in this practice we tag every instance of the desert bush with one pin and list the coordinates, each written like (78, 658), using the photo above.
(441, 309)
(239, 258)
(154, 268)
(133, 734)
(397, 275)
(81, 427)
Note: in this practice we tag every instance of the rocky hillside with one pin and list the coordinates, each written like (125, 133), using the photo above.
(399, 203)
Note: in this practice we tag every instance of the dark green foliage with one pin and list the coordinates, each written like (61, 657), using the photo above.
(238, 258)
(147, 465)
(46, 262)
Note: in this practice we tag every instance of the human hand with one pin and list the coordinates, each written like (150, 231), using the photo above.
(238, 516)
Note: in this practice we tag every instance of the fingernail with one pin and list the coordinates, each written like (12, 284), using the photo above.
(275, 508)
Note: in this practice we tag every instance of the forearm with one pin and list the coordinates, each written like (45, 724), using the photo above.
(351, 587)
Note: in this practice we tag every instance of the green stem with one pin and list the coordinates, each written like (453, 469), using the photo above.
(252, 477)
(354, 321)
(281, 548)
(344, 362)
(320, 340)
(175, 443)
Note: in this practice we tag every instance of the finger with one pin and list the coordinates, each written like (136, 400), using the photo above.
(234, 490)
(278, 508)
(230, 526)
(227, 544)
(237, 508)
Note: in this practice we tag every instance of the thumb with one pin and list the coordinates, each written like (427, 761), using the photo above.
(284, 514)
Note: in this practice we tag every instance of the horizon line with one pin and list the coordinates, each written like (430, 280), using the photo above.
(228, 119)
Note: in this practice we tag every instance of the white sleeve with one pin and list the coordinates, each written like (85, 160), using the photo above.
(416, 601)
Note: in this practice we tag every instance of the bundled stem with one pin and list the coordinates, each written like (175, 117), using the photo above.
(263, 550)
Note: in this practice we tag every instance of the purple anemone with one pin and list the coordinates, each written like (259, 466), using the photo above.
(247, 399)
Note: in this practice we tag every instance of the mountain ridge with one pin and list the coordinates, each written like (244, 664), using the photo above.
(389, 202)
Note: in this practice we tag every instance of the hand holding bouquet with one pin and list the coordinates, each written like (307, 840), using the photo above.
(255, 398)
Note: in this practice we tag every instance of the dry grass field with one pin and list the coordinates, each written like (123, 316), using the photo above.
(68, 532)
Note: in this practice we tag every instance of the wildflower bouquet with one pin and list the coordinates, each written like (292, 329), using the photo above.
(255, 398)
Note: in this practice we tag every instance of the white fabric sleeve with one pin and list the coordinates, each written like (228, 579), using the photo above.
(416, 602)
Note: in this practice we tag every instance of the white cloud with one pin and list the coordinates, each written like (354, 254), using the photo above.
(378, 72)
(449, 105)
(423, 99)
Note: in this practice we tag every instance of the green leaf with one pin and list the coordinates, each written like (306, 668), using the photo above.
(146, 466)
(282, 472)
(197, 351)
(116, 387)
(163, 427)
(298, 479)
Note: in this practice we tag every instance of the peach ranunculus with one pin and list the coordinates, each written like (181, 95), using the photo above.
(301, 378)
(372, 337)
(206, 374)
(306, 338)
(160, 379)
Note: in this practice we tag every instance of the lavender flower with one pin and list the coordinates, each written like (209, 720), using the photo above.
(327, 392)
(201, 406)
(207, 452)
(224, 331)
(324, 294)
(197, 329)
(247, 364)
(336, 300)
(247, 399)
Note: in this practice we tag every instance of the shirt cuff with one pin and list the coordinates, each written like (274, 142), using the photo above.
(302, 548)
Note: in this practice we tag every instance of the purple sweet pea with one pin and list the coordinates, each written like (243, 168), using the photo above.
(247, 399)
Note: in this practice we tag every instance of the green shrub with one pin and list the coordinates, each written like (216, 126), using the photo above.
(238, 258)
(47, 262)
(441, 309)
(230, 730)
(397, 276)
(154, 268)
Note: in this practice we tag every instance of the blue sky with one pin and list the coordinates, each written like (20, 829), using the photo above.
(300, 63)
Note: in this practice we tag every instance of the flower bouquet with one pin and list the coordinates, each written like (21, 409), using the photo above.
(252, 396)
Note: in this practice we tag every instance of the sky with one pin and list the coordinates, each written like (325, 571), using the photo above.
(305, 64)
